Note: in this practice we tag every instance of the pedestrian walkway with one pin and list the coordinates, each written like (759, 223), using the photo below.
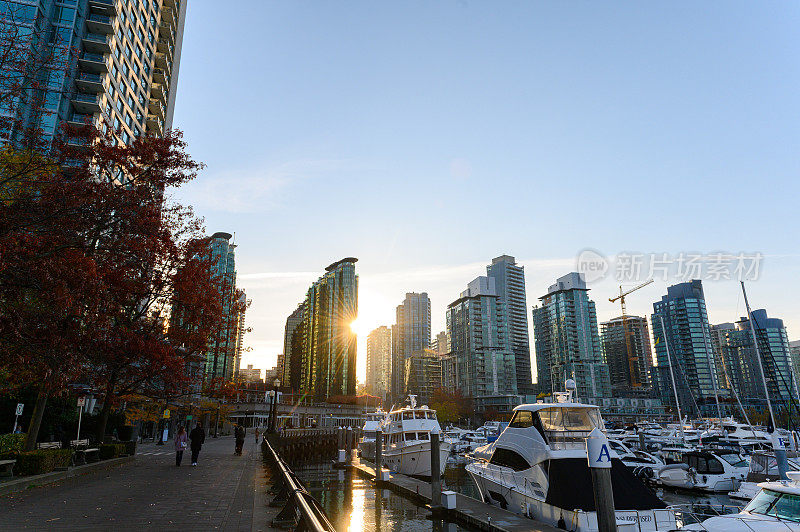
(149, 493)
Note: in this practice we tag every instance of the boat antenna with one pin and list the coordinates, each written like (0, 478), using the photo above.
(672, 375)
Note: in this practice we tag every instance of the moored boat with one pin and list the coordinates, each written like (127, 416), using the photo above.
(406, 440)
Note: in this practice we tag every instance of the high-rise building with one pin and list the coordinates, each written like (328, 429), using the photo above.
(410, 333)
(509, 280)
(719, 338)
(293, 350)
(627, 372)
(250, 374)
(794, 352)
(440, 344)
(379, 361)
(126, 75)
(688, 337)
(328, 366)
(482, 363)
(225, 345)
(567, 342)
(423, 375)
(742, 364)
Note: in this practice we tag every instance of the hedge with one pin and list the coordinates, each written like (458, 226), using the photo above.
(39, 461)
(12, 442)
(111, 450)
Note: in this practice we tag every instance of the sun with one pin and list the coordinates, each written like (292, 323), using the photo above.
(359, 327)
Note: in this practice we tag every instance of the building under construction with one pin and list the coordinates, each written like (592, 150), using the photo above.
(628, 371)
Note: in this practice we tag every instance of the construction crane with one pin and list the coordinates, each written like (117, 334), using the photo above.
(632, 359)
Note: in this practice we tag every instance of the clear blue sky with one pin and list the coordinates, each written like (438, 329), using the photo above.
(426, 138)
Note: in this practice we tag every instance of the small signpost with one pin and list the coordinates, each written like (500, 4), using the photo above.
(81, 404)
(599, 455)
(20, 406)
(166, 413)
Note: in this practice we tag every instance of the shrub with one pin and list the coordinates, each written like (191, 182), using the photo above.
(111, 450)
(41, 461)
(130, 447)
(12, 442)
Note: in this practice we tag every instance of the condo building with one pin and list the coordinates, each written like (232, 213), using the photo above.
(293, 350)
(423, 375)
(481, 362)
(379, 361)
(410, 333)
(125, 75)
(629, 361)
(567, 340)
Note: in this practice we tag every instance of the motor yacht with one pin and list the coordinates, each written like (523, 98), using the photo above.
(776, 506)
(538, 468)
(763, 468)
(406, 440)
(712, 470)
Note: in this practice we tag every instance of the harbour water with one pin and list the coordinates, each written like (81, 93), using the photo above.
(353, 504)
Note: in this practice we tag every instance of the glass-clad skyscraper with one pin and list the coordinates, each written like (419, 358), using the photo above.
(114, 63)
(567, 342)
(411, 333)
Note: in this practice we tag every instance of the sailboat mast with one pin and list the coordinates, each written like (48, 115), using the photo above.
(672, 375)
(758, 357)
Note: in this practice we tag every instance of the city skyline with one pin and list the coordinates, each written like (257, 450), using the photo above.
(638, 114)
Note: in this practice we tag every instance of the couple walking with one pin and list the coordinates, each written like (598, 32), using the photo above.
(197, 436)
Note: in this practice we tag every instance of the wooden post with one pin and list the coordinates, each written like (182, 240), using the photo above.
(378, 455)
(598, 454)
(349, 444)
(642, 442)
(436, 471)
(340, 447)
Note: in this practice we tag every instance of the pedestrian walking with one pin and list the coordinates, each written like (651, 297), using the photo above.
(256, 435)
(198, 437)
(181, 439)
(240, 433)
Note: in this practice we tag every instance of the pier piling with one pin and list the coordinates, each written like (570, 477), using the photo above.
(349, 444)
(378, 456)
(599, 455)
(436, 472)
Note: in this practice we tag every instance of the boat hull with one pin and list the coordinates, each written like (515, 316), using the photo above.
(415, 460)
(501, 492)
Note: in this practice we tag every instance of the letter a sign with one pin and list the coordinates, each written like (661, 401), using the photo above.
(597, 451)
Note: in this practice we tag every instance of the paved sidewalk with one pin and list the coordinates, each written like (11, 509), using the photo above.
(149, 493)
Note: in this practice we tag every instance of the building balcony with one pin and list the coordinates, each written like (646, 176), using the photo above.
(86, 103)
(164, 46)
(80, 120)
(93, 63)
(97, 43)
(163, 61)
(158, 92)
(100, 23)
(89, 83)
(160, 76)
(104, 7)
(168, 15)
(156, 108)
(154, 124)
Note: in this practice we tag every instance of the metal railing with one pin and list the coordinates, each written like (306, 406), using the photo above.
(300, 507)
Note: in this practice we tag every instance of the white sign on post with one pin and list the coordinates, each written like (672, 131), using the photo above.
(82, 400)
(20, 406)
(597, 450)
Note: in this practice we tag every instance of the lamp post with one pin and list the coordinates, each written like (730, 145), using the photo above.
(271, 395)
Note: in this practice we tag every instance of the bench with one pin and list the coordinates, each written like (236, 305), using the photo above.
(83, 452)
(7, 467)
(49, 445)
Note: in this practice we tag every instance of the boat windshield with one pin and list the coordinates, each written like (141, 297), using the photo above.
(776, 504)
(734, 459)
(570, 419)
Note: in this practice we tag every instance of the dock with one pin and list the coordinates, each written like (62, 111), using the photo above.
(469, 511)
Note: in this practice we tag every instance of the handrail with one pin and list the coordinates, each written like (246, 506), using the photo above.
(311, 513)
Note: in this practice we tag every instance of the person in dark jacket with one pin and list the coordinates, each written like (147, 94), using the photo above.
(240, 434)
(198, 437)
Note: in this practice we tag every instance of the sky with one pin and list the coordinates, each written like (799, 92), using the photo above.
(426, 138)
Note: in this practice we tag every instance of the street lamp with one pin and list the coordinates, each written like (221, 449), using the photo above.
(271, 395)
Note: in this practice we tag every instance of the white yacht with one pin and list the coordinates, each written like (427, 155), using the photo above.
(776, 506)
(538, 467)
(763, 468)
(713, 470)
(372, 420)
(406, 440)
(642, 463)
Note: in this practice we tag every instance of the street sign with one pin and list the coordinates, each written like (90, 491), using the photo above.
(20, 406)
(166, 413)
(189, 417)
(82, 400)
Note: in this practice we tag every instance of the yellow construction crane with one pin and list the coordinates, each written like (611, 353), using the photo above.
(632, 360)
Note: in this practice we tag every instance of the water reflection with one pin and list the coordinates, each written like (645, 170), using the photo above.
(354, 505)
